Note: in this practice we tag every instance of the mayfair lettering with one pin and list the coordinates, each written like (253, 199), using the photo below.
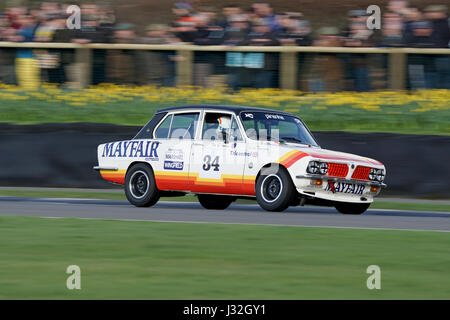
(131, 149)
(347, 188)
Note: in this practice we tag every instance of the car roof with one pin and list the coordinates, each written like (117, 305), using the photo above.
(235, 109)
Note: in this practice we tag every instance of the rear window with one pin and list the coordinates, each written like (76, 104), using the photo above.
(147, 131)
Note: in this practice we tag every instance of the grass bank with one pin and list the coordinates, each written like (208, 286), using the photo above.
(149, 260)
(420, 112)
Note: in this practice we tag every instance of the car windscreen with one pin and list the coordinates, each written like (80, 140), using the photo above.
(276, 127)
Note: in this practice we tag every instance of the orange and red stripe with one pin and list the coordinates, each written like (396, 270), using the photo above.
(291, 157)
(116, 176)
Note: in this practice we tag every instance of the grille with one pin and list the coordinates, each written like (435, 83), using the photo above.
(361, 173)
(337, 170)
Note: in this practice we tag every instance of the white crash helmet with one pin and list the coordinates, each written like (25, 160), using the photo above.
(224, 124)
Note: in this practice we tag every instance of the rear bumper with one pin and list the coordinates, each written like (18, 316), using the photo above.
(98, 168)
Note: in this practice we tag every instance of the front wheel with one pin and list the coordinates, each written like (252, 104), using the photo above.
(352, 208)
(140, 186)
(275, 192)
(214, 202)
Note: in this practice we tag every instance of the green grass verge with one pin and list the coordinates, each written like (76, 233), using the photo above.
(149, 260)
(121, 196)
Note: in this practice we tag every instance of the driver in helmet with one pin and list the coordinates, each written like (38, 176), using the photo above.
(224, 127)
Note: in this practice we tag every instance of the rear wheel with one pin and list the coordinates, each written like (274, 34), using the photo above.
(214, 202)
(140, 186)
(275, 191)
(352, 208)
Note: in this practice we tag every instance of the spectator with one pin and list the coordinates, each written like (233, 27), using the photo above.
(326, 72)
(211, 13)
(121, 65)
(7, 55)
(207, 33)
(184, 24)
(410, 17)
(14, 15)
(229, 11)
(354, 17)
(92, 31)
(392, 31)
(264, 64)
(421, 35)
(264, 11)
(420, 68)
(357, 65)
(236, 34)
(441, 39)
(157, 66)
(64, 56)
(294, 31)
(237, 30)
(27, 66)
(397, 6)
(437, 15)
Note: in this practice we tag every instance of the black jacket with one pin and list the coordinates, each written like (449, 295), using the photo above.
(441, 33)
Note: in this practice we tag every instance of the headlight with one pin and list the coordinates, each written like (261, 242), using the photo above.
(373, 174)
(380, 175)
(313, 167)
(323, 168)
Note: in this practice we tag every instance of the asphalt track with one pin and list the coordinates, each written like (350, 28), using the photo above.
(235, 214)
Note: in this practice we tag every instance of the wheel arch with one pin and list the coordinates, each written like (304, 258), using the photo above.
(139, 162)
(267, 165)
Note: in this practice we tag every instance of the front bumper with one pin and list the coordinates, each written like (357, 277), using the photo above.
(344, 190)
(355, 181)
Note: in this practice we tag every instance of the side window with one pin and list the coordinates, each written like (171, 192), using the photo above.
(147, 131)
(250, 129)
(183, 126)
(216, 126)
(163, 130)
(235, 132)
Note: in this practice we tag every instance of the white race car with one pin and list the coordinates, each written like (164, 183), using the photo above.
(223, 153)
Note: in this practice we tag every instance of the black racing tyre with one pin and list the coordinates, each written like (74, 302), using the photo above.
(351, 208)
(275, 191)
(140, 186)
(214, 202)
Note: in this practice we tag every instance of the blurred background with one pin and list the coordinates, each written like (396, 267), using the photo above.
(306, 25)
(382, 93)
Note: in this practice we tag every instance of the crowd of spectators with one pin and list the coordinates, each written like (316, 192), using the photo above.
(402, 26)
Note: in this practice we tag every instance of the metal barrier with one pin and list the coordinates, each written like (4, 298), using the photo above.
(288, 66)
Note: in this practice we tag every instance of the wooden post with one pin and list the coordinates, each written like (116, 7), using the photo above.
(184, 67)
(83, 58)
(397, 70)
(288, 70)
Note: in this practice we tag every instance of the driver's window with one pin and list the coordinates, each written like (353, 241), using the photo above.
(183, 126)
(216, 126)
